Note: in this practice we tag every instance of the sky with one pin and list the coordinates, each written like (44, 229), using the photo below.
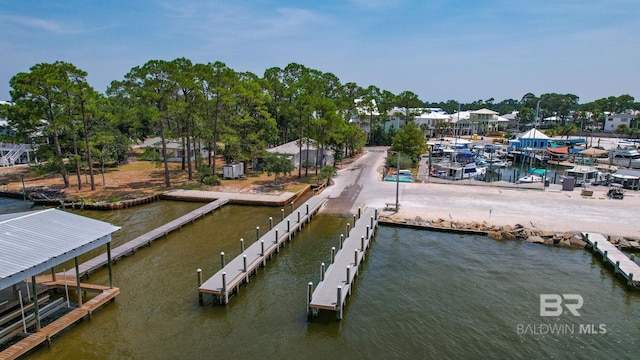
(462, 50)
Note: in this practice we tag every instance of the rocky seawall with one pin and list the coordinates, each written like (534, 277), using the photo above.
(506, 232)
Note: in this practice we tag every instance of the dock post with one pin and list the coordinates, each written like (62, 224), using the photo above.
(224, 288)
(199, 271)
(362, 243)
(276, 242)
(291, 212)
(376, 213)
(288, 226)
(262, 252)
(241, 245)
(630, 280)
(222, 260)
(355, 257)
(605, 255)
(367, 231)
(348, 275)
(341, 241)
(282, 213)
(617, 268)
(307, 208)
(632, 257)
(359, 212)
(270, 223)
(354, 220)
(322, 272)
(595, 247)
(339, 303)
(309, 295)
(257, 233)
(371, 225)
(348, 229)
(298, 216)
(333, 254)
(276, 239)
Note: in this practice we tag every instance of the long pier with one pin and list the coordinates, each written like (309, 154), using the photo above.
(622, 264)
(238, 271)
(337, 281)
(130, 247)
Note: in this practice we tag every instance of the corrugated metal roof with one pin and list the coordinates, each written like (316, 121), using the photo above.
(35, 241)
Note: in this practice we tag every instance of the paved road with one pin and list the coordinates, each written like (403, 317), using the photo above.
(361, 185)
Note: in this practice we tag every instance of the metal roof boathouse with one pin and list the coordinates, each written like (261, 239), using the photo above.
(32, 244)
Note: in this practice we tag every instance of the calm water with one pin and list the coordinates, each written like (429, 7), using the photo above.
(419, 295)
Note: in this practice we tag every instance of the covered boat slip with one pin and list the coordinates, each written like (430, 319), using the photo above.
(226, 281)
(336, 282)
(32, 243)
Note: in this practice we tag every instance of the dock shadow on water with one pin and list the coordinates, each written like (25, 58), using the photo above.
(420, 294)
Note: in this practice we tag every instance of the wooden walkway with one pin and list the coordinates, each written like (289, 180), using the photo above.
(46, 333)
(336, 282)
(621, 263)
(226, 281)
(130, 247)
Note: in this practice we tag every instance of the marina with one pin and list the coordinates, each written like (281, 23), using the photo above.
(226, 282)
(337, 280)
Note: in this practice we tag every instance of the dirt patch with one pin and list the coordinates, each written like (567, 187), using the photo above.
(142, 178)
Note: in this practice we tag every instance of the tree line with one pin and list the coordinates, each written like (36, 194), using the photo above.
(222, 112)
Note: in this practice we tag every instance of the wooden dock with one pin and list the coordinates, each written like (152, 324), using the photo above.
(130, 247)
(45, 334)
(337, 280)
(621, 263)
(227, 281)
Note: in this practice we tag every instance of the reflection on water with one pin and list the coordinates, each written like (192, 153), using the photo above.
(419, 295)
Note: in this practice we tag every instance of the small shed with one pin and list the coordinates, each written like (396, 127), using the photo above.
(233, 171)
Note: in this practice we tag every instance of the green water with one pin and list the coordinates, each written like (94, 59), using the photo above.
(420, 295)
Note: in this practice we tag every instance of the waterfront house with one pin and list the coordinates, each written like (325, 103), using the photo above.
(614, 121)
(310, 154)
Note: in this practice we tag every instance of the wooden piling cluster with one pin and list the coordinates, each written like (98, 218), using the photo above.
(336, 280)
(226, 282)
(623, 265)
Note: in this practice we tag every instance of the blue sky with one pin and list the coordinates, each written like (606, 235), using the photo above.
(439, 49)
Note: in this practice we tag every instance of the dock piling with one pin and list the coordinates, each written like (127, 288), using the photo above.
(298, 216)
(605, 256)
(322, 272)
(359, 212)
(257, 233)
(617, 267)
(224, 288)
(367, 233)
(348, 229)
(288, 225)
(371, 225)
(309, 295)
(341, 241)
(282, 213)
(355, 257)
(630, 280)
(241, 245)
(348, 275)
(199, 271)
(333, 254)
(270, 223)
(339, 303)
(222, 260)
(307, 209)
(362, 243)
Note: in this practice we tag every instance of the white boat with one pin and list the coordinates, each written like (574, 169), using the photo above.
(530, 179)
(457, 171)
(624, 155)
(585, 175)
